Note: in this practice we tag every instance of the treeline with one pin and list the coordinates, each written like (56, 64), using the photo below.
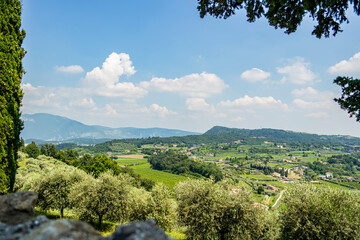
(346, 165)
(178, 163)
(279, 135)
(112, 146)
(191, 140)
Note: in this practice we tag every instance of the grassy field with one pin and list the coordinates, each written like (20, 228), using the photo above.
(333, 185)
(131, 161)
(158, 176)
(258, 177)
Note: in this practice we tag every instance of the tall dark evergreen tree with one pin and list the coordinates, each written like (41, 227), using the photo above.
(11, 71)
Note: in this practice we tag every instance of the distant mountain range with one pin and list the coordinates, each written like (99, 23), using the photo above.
(52, 128)
(42, 128)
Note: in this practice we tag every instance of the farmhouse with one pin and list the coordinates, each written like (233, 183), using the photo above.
(329, 175)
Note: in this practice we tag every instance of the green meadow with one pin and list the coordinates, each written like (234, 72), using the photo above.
(169, 179)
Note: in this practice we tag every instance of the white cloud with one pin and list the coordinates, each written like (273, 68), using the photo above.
(297, 72)
(311, 93)
(69, 69)
(27, 87)
(85, 102)
(247, 101)
(160, 110)
(194, 85)
(310, 98)
(39, 96)
(255, 75)
(105, 81)
(197, 104)
(110, 111)
(347, 67)
(310, 105)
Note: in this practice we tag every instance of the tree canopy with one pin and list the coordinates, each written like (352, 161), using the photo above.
(11, 71)
(286, 14)
(350, 97)
(320, 213)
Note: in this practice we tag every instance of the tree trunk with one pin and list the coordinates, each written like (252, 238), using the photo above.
(100, 221)
(62, 213)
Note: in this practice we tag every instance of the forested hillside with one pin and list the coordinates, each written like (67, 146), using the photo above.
(286, 136)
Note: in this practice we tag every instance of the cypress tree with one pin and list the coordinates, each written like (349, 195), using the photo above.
(11, 71)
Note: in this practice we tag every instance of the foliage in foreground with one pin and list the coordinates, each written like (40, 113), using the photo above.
(11, 71)
(108, 197)
(350, 97)
(286, 14)
(213, 211)
(320, 213)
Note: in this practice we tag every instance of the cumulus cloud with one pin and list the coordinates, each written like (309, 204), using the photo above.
(69, 69)
(197, 104)
(39, 96)
(310, 98)
(160, 110)
(194, 85)
(110, 111)
(347, 67)
(247, 101)
(311, 93)
(297, 72)
(311, 105)
(255, 75)
(104, 81)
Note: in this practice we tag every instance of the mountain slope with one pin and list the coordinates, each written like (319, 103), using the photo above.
(50, 127)
(286, 136)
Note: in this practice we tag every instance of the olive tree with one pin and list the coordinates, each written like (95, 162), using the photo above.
(320, 213)
(54, 189)
(213, 211)
(101, 198)
(139, 204)
(164, 210)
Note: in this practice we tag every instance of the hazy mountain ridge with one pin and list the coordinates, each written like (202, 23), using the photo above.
(43, 127)
(48, 127)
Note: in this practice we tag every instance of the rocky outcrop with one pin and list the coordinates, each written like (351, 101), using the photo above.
(17, 222)
(17, 207)
(15, 232)
(63, 229)
(139, 231)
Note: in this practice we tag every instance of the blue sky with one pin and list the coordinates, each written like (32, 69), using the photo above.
(158, 64)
